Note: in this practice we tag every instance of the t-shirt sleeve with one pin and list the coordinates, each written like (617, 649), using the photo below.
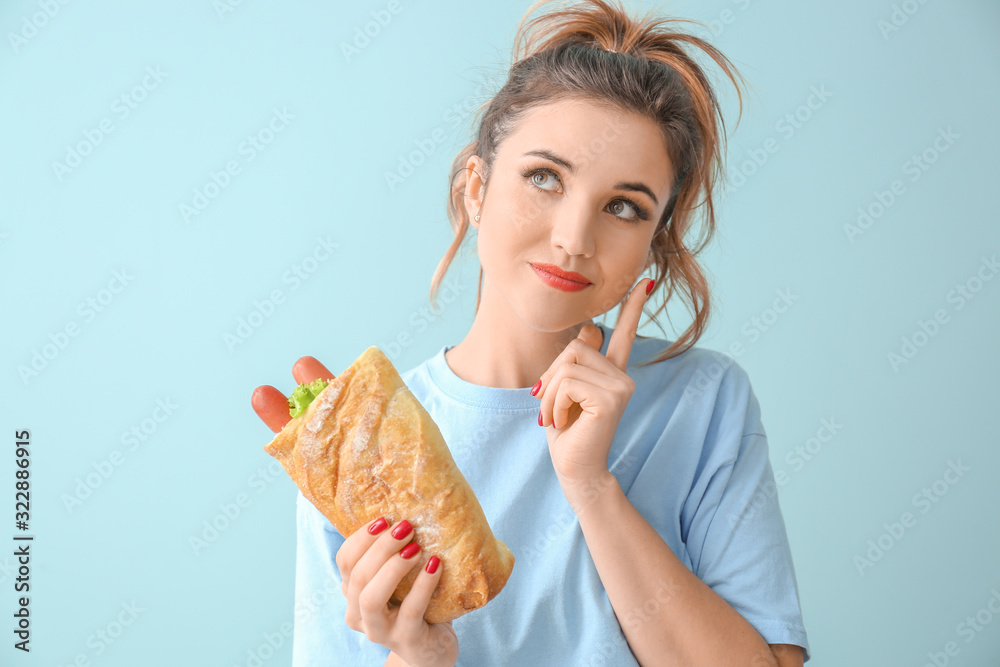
(736, 537)
(321, 636)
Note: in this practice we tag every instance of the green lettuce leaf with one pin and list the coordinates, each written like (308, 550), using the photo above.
(303, 396)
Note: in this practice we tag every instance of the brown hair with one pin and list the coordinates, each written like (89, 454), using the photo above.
(593, 50)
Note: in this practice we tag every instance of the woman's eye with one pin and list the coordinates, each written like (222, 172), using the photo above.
(539, 177)
(544, 176)
(624, 205)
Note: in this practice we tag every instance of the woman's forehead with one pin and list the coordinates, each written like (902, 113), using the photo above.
(590, 139)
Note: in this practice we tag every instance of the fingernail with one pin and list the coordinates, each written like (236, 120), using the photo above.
(540, 418)
(378, 526)
(538, 385)
(649, 287)
(409, 550)
(432, 565)
(402, 530)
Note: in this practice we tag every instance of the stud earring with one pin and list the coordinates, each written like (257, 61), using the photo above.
(477, 217)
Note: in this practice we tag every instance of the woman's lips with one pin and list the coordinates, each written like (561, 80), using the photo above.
(558, 282)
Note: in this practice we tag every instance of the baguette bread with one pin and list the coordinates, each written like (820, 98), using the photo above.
(365, 447)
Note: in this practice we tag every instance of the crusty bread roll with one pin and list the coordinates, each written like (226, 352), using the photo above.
(365, 447)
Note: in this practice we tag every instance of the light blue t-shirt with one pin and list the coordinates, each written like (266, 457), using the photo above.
(690, 454)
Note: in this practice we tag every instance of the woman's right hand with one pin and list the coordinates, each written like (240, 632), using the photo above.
(371, 567)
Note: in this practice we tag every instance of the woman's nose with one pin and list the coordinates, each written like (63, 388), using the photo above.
(572, 231)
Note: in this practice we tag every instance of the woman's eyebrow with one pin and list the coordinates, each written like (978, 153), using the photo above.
(632, 187)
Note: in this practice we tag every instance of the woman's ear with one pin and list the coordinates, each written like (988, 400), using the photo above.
(474, 189)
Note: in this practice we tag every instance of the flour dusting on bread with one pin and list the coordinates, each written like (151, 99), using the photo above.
(365, 447)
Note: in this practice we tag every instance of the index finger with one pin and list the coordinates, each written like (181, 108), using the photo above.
(357, 544)
(620, 345)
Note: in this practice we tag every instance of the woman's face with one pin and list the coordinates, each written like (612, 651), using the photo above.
(578, 186)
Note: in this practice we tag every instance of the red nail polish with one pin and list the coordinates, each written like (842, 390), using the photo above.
(540, 418)
(538, 385)
(432, 565)
(402, 530)
(378, 526)
(409, 550)
(649, 287)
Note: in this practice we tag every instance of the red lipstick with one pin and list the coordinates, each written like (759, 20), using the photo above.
(568, 281)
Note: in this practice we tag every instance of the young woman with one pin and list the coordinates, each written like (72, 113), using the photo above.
(628, 475)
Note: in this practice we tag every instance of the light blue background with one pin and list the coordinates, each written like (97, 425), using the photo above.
(782, 227)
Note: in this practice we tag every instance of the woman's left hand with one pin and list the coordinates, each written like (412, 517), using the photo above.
(584, 395)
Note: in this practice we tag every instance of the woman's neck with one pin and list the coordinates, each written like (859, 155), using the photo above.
(501, 351)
